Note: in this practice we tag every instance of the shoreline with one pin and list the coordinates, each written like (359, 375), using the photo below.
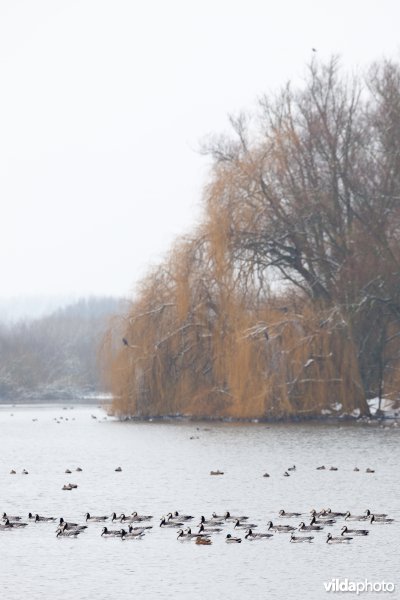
(323, 419)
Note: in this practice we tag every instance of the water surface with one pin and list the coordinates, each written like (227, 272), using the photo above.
(163, 469)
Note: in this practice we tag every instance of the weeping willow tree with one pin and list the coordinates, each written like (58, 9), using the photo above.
(286, 301)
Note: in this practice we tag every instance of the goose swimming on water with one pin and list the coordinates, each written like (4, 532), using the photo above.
(375, 519)
(203, 529)
(280, 528)
(376, 515)
(322, 521)
(14, 524)
(132, 535)
(298, 539)
(204, 521)
(346, 531)
(337, 540)
(11, 517)
(68, 533)
(39, 519)
(164, 523)
(110, 532)
(191, 535)
(350, 517)
(95, 519)
(303, 527)
(136, 517)
(178, 517)
(329, 513)
(250, 535)
(283, 513)
(239, 525)
(229, 517)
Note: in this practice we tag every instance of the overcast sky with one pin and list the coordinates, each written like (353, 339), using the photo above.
(104, 103)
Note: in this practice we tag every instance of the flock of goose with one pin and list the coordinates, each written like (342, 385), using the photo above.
(135, 526)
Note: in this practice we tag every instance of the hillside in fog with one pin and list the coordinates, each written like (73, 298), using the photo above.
(54, 357)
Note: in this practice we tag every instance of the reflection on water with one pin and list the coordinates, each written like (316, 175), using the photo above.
(165, 467)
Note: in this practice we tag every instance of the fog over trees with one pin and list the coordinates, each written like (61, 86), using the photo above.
(286, 298)
(54, 357)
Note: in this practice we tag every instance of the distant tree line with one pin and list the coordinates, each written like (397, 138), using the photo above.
(286, 299)
(55, 356)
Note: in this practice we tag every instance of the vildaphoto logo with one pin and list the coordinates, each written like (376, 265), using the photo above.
(358, 587)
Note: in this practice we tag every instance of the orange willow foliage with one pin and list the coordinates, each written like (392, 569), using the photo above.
(198, 347)
(315, 199)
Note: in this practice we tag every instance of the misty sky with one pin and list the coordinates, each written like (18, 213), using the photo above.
(104, 105)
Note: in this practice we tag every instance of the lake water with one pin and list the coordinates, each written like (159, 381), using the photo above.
(164, 470)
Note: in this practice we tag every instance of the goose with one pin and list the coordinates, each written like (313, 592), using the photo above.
(321, 468)
(132, 535)
(337, 540)
(346, 531)
(328, 512)
(126, 519)
(257, 536)
(164, 523)
(39, 519)
(67, 486)
(11, 517)
(78, 469)
(286, 474)
(314, 513)
(191, 535)
(203, 529)
(136, 517)
(303, 527)
(239, 525)
(203, 541)
(283, 513)
(204, 521)
(69, 525)
(350, 517)
(229, 517)
(322, 521)
(13, 472)
(376, 515)
(118, 470)
(280, 528)
(216, 517)
(218, 472)
(8, 524)
(292, 468)
(375, 519)
(68, 471)
(369, 470)
(95, 519)
(266, 475)
(68, 533)
(177, 516)
(356, 469)
(333, 468)
(298, 539)
(25, 472)
(232, 540)
(185, 537)
(110, 532)
(143, 528)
